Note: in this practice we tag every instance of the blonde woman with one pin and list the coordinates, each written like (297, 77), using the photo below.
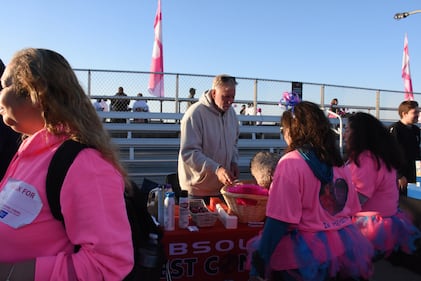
(43, 100)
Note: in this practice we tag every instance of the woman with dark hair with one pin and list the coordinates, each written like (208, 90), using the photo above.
(374, 156)
(308, 233)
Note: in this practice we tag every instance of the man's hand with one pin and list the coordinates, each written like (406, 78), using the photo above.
(224, 176)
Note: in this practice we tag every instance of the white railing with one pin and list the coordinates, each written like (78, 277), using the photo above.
(262, 93)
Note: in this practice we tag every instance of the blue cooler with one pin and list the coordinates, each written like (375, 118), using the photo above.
(414, 190)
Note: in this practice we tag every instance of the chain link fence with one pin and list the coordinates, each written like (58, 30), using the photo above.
(262, 93)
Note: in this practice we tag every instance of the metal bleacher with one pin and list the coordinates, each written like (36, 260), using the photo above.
(151, 149)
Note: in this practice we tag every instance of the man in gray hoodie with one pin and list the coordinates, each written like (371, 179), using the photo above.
(208, 154)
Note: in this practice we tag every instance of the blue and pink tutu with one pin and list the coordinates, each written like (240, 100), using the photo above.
(316, 256)
(388, 234)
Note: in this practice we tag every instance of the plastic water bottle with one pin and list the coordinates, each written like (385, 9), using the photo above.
(163, 189)
(183, 204)
(161, 208)
(169, 216)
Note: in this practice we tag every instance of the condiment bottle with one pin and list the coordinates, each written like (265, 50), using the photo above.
(183, 203)
(169, 216)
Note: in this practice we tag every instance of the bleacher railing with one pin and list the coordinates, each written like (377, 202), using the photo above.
(260, 93)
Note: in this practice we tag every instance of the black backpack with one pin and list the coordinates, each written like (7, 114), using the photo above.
(148, 250)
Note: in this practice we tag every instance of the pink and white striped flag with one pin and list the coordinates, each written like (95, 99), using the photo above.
(156, 79)
(406, 73)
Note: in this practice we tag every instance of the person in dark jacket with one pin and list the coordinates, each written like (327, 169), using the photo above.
(407, 134)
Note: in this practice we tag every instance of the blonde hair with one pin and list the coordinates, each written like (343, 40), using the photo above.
(224, 80)
(47, 79)
(262, 166)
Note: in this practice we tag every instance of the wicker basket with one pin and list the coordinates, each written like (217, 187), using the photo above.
(202, 219)
(246, 213)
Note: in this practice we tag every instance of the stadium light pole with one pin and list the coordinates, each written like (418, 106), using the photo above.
(399, 16)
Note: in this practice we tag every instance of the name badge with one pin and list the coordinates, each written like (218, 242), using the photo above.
(20, 203)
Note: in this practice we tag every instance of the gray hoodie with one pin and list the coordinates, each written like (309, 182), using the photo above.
(208, 140)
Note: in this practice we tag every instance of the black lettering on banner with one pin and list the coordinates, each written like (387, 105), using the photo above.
(190, 266)
(181, 267)
(223, 261)
(242, 259)
(211, 265)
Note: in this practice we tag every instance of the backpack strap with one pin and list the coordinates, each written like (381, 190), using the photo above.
(57, 170)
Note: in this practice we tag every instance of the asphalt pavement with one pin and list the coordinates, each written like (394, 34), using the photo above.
(384, 271)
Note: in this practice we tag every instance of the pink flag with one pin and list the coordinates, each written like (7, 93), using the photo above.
(156, 80)
(406, 73)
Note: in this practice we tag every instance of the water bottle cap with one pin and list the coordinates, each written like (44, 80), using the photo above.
(170, 194)
(184, 193)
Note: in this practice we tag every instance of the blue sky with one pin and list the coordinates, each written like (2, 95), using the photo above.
(352, 43)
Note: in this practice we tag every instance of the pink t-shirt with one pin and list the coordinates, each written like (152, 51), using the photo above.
(92, 205)
(294, 197)
(378, 185)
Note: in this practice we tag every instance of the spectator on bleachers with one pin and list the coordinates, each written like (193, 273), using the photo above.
(140, 105)
(334, 107)
(243, 109)
(120, 104)
(251, 110)
(98, 106)
(192, 93)
(105, 105)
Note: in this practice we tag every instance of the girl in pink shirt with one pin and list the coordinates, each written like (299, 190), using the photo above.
(42, 99)
(308, 233)
(374, 157)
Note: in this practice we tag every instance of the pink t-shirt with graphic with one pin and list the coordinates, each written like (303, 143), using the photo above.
(294, 196)
(92, 205)
(378, 185)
